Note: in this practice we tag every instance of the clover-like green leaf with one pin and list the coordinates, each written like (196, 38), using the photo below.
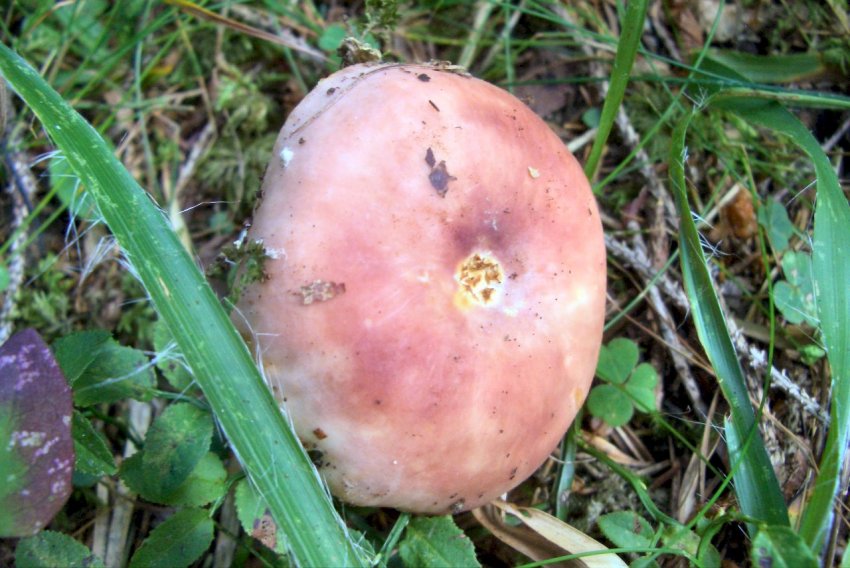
(177, 542)
(49, 548)
(176, 442)
(774, 218)
(436, 541)
(169, 360)
(641, 387)
(256, 518)
(93, 454)
(626, 529)
(617, 359)
(100, 370)
(794, 296)
(610, 404)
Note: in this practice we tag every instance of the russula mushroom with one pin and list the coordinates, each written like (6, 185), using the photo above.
(434, 304)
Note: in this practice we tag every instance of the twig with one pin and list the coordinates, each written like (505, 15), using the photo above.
(837, 135)
(668, 326)
(754, 357)
(21, 188)
(111, 531)
(757, 360)
(662, 32)
(282, 37)
(199, 147)
(225, 544)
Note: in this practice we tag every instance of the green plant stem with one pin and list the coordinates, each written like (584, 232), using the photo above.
(223, 367)
(627, 47)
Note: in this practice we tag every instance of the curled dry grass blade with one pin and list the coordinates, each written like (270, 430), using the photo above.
(258, 432)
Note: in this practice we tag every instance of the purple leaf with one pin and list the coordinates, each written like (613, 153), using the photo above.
(36, 449)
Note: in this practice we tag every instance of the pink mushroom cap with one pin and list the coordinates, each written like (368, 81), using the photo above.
(435, 297)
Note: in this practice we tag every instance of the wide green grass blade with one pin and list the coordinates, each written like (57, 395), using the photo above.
(249, 416)
(627, 47)
(831, 247)
(782, 68)
(756, 486)
(831, 241)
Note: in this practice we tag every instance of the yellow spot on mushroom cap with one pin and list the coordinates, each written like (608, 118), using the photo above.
(479, 277)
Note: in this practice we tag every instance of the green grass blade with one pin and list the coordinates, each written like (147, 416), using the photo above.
(831, 247)
(249, 416)
(788, 96)
(756, 486)
(627, 47)
(784, 68)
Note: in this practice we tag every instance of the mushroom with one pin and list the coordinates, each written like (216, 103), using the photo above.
(435, 296)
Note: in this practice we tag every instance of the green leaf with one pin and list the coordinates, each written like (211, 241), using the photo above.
(132, 473)
(205, 484)
(591, 117)
(626, 529)
(179, 541)
(795, 298)
(788, 302)
(76, 352)
(645, 562)
(84, 22)
(436, 541)
(100, 370)
(774, 218)
(36, 449)
(687, 540)
(787, 68)
(50, 549)
(641, 387)
(221, 363)
(331, 38)
(93, 454)
(610, 404)
(781, 547)
(175, 443)
(797, 267)
(256, 519)
(617, 359)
